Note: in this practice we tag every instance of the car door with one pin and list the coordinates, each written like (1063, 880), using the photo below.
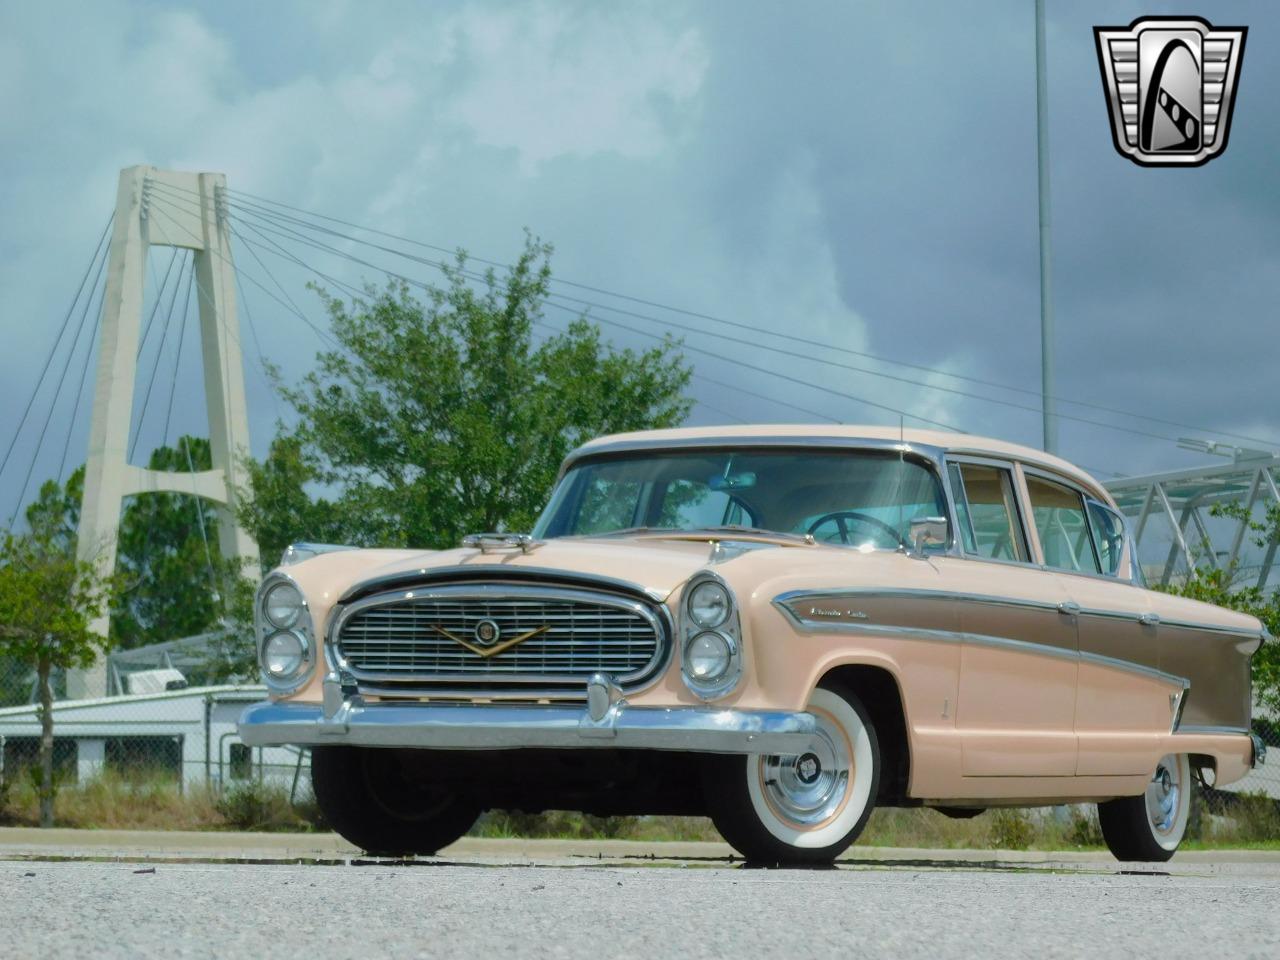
(1123, 701)
(1016, 704)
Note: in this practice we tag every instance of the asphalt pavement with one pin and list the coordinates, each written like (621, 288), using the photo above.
(529, 899)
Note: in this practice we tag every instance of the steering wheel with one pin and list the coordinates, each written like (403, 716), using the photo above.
(841, 516)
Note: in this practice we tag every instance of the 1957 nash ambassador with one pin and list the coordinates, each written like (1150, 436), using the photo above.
(778, 627)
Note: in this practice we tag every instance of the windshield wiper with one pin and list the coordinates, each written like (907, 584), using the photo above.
(758, 532)
(623, 531)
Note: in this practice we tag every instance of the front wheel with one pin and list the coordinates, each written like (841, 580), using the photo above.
(1149, 828)
(806, 808)
(385, 801)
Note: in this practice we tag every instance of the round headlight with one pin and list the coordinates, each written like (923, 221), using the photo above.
(709, 604)
(283, 605)
(284, 655)
(707, 657)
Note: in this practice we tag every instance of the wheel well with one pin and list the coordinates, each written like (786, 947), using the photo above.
(878, 691)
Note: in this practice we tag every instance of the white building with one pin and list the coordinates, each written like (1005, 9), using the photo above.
(190, 733)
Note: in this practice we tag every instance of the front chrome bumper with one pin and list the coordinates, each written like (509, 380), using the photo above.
(607, 721)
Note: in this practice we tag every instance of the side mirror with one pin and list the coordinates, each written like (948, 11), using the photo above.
(926, 532)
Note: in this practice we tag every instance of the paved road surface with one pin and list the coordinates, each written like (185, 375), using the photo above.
(485, 909)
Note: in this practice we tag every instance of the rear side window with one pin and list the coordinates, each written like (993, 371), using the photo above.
(988, 512)
(1062, 525)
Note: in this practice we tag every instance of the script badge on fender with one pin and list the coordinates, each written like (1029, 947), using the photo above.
(1170, 84)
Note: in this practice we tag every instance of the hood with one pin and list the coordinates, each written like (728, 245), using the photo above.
(655, 566)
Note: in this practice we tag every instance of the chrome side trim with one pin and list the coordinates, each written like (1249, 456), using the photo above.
(1212, 729)
(1210, 628)
(506, 727)
(958, 636)
(909, 593)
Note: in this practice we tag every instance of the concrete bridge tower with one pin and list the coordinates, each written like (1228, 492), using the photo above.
(198, 224)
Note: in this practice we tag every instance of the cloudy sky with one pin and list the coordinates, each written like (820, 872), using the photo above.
(860, 175)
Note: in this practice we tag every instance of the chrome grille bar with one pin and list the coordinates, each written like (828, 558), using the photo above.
(427, 636)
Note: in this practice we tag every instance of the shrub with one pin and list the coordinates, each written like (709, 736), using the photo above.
(258, 805)
(1083, 829)
(1011, 829)
(1255, 817)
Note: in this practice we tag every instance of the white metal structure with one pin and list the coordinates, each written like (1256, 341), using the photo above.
(109, 477)
(1178, 504)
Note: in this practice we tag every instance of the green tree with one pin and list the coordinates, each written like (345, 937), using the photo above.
(281, 512)
(1222, 586)
(175, 581)
(48, 599)
(443, 416)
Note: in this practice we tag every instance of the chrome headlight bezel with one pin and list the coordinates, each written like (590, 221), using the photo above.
(301, 627)
(728, 629)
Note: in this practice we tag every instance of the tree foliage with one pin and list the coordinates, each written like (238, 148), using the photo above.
(1222, 586)
(48, 600)
(175, 581)
(445, 416)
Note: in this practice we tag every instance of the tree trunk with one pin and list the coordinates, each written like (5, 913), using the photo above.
(44, 668)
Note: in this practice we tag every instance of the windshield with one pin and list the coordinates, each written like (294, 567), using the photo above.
(864, 498)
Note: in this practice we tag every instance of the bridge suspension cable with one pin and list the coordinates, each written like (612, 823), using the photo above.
(471, 275)
(254, 202)
(281, 225)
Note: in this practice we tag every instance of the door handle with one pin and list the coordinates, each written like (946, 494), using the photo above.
(1069, 609)
(1149, 619)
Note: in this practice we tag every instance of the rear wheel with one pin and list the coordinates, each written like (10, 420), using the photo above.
(1150, 827)
(385, 802)
(806, 808)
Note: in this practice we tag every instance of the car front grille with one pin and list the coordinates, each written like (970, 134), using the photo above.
(501, 635)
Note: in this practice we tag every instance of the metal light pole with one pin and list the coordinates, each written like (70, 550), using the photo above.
(1046, 300)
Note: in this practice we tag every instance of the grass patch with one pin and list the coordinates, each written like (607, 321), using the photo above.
(156, 801)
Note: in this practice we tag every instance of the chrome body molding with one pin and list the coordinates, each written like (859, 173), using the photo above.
(485, 683)
(863, 628)
(813, 441)
(303, 629)
(498, 573)
(443, 726)
(1210, 728)
(1068, 608)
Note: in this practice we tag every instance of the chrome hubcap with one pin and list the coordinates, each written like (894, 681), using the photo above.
(810, 787)
(1163, 793)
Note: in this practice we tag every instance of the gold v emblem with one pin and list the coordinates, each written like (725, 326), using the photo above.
(493, 651)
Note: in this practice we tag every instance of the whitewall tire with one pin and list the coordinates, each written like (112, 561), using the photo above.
(1150, 827)
(805, 808)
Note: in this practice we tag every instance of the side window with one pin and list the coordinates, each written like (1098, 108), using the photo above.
(988, 512)
(1108, 536)
(1062, 525)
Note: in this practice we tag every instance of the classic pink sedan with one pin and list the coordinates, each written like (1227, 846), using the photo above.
(780, 627)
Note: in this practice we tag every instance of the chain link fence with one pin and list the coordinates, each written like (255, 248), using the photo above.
(157, 714)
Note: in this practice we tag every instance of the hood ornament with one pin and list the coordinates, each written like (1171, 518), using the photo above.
(488, 542)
